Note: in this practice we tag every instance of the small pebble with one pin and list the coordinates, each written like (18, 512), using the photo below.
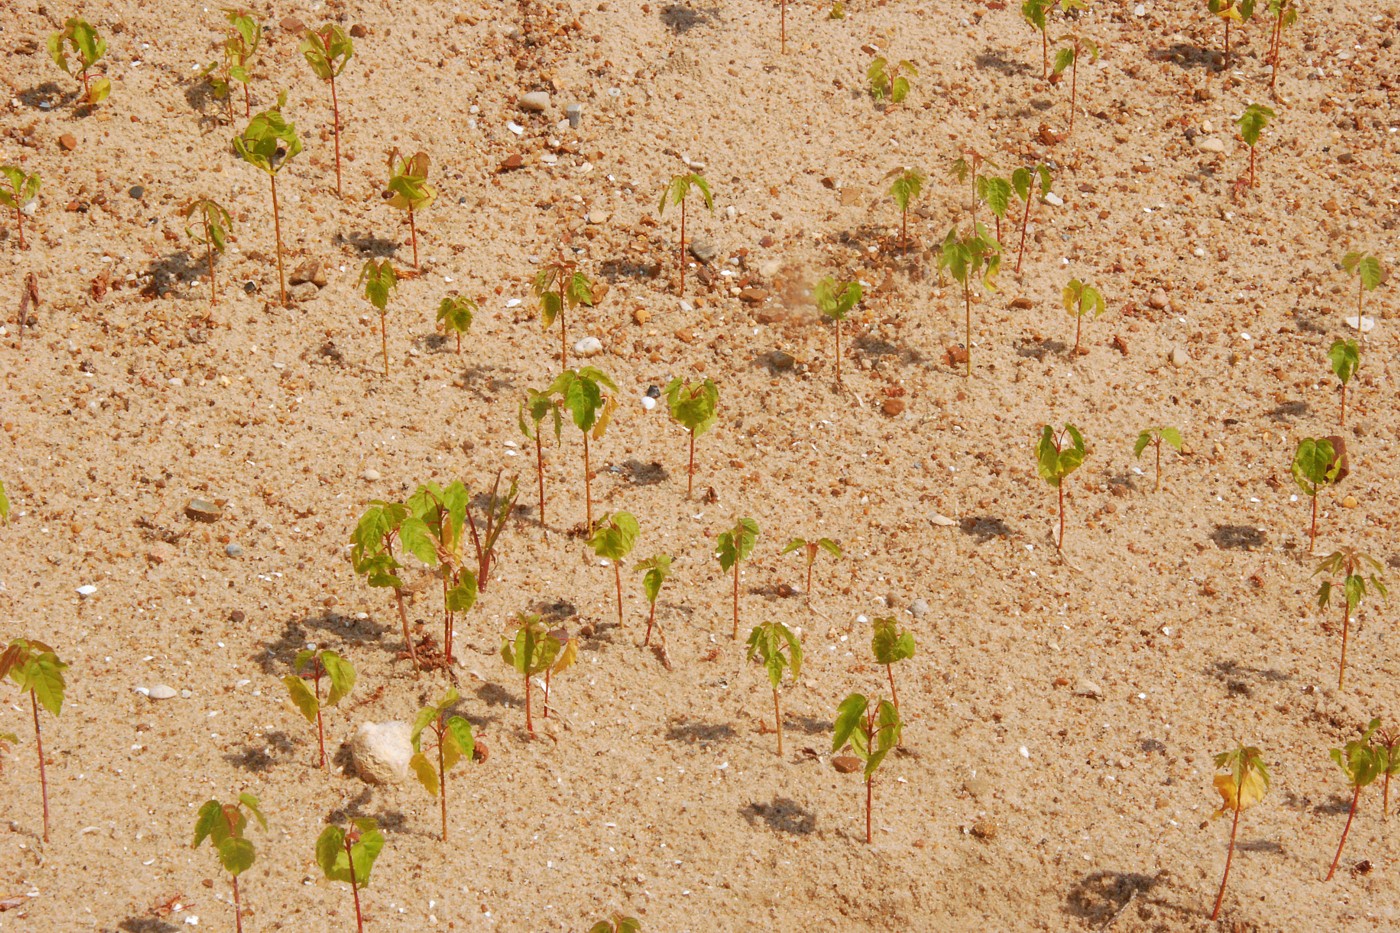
(653, 391)
(588, 346)
(233, 550)
(534, 102)
(1210, 144)
(648, 403)
(918, 608)
(1179, 357)
(370, 476)
(1158, 300)
(162, 692)
(86, 590)
(137, 192)
(1054, 199)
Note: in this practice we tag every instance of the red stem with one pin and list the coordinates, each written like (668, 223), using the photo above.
(682, 253)
(690, 470)
(413, 234)
(735, 636)
(1044, 56)
(19, 222)
(209, 252)
(889, 669)
(587, 486)
(838, 353)
(354, 885)
(1355, 797)
(1078, 326)
(809, 580)
(335, 110)
(539, 472)
(547, 673)
(1312, 531)
(1025, 221)
(407, 636)
(617, 573)
(967, 305)
(442, 782)
(1346, 623)
(237, 907)
(782, 7)
(1229, 857)
(384, 340)
(1073, 89)
(1158, 484)
(1059, 545)
(277, 228)
(43, 776)
(869, 798)
(778, 721)
(651, 620)
(529, 720)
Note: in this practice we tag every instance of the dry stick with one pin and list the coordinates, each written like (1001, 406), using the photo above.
(43, 777)
(354, 886)
(1355, 797)
(1229, 855)
(277, 228)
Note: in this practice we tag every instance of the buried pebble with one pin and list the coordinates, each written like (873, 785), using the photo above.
(648, 402)
(535, 102)
(588, 346)
(1087, 688)
(202, 510)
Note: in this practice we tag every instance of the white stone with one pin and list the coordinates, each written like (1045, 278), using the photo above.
(588, 346)
(1367, 323)
(648, 402)
(370, 476)
(162, 692)
(1054, 199)
(1179, 357)
(381, 751)
(1210, 144)
(535, 102)
(86, 590)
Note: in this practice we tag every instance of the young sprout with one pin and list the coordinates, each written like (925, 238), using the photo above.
(967, 167)
(206, 222)
(372, 554)
(239, 47)
(328, 50)
(973, 259)
(348, 855)
(1315, 465)
(655, 570)
(872, 732)
(779, 649)
(269, 144)
(561, 287)
(891, 644)
(905, 188)
(1345, 356)
(617, 924)
(1388, 742)
(1356, 570)
(694, 406)
(538, 406)
(678, 192)
(1231, 11)
(888, 81)
(498, 509)
(20, 193)
(1366, 267)
(1285, 13)
(581, 392)
(810, 550)
(455, 315)
(36, 669)
(1022, 181)
(409, 190)
(613, 540)
(434, 534)
(731, 547)
(1034, 12)
(1154, 437)
(997, 193)
(1080, 299)
(532, 651)
(379, 279)
(1251, 123)
(223, 825)
(1068, 57)
(835, 300)
(1055, 461)
(1361, 763)
(87, 48)
(452, 737)
(1244, 783)
(313, 665)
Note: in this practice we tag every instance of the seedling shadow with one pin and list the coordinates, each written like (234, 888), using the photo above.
(614, 270)
(496, 695)
(1031, 349)
(391, 822)
(1288, 411)
(681, 19)
(693, 731)
(200, 96)
(1237, 537)
(783, 815)
(995, 59)
(809, 725)
(1336, 805)
(146, 925)
(1099, 896)
(984, 528)
(479, 381)
(367, 244)
(1261, 845)
(178, 268)
(554, 613)
(276, 657)
(876, 348)
(1186, 55)
(644, 474)
(47, 93)
(1226, 671)
(255, 757)
(1307, 325)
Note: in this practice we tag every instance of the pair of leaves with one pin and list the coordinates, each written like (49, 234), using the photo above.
(1055, 461)
(533, 649)
(1245, 781)
(1023, 179)
(582, 393)
(19, 188)
(890, 643)
(779, 649)
(1285, 11)
(835, 299)
(327, 50)
(378, 279)
(887, 80)
(371, 551)
(975, 257)
(34, 666)
(366, 842)
(737, 543)
(539, 405)
(617, 924)
(694, 405)
(870, 740)
(996, 192)
(341, 673)
(654, 572)
(87, 47)
(208, 223)
(615, 535)
(223, 825)
(454, 735)
(1034, 12)
(455, 313)
(1235, 10)
(560, 287)
(1068, 57)
(1155, 436)
(906, 187)
(811, 548)
(678, 189)
(1360, 760)
(1080, 299)
(1357, 571)
(1252, 122)
(269, 142)
(1315, 464)
(408, 188)
(1365, 266)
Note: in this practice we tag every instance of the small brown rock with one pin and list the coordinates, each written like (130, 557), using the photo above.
(957, 356)
(293, 25)
(512, 162)
(782, 361)
(1022, 304)
(846, 764)
(67, 142)
(1120, 344)
(753, 296)
(685, 335)
(641, 316)
(771, 315)
(358, 32)
(312, 270)
(1158, 300)
(892, 406)
(984, 830)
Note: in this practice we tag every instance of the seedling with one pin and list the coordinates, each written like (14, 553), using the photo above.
(1155, 437)
(498, 508)
(1023, 180)
(568, 654)
(997, 193)
(239, 47)
(328, 50)
(732, 547)
(36, 669)
(905, 188)
(561, 287)
(1080, 299)
(1345, 357)
(891, 644)
(20, 193)
(455, 314)
(1034, 12)
(434, 534)
(538, 406)
(655, 570)
(269, 144)
(1231, 11)
(1361, 763)
(207, 223)
(782, 27)
(348, 855)
(313, 665)
(409, 190)
(372, 554)
(87, 48)
(1068, 57)
(1055, 461)
(693, 405)
(617, 924)
(1285, 14)
(1244, 784)
(613, 540)
(1388, 741)
(582, 393)
(1315, 465)
(223, 825)
(379, 279)
(967, 167)
(1366, 267)
(1251, 123)
(780, 650)
(1357, 570)
(872, 732)
(835, 300)
(890, 81)
(809, 551)
(973, 260)
(532, 651)
(451, 736)
(678, 192)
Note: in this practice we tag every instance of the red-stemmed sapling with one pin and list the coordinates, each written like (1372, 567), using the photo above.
(1367, 268)
(328, 50)
(538, 406)
(834, 300)
(778, 647)
(560, 288)
(872, 731)
(435, 533)
(582, 393)
(1285, 14)
(408, 190)
(1230, 11)
(348, 855)
(973, 260)
(1080, 299)
(454, 315)
(890, 81)
(996, 192)
(654, 572)
(617, 923)
(531, 651)
(87, 48)
(453, 741)
(312, 665)
(1251, 123)
(1315, 465)
(207, 223)
(1034, 12)
(498, 506)
(268, 144)
(19, 191)
(379, 279)
(613, 539)
(1345, 357)
(223, 825)
(1154, 437)
(372, 555)
(1244, 783)
(905, 185)
(36, 669)
(239, 47)
(1057, 456)
(1068, 57)
(694, 406)
(1361, 763)
(809, 551)
(677, 193)
(967, 169)
(1357, 571)
(732, 547)
(890, 645)
(1023, 182)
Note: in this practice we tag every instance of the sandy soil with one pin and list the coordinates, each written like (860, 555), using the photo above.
(1016, 801)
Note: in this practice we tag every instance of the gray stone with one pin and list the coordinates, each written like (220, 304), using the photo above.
(381, 751)
(575, 114)
(202, 510)
(534, 102)
(703, 249)
(233, 550)
(588, 346)
(782, 361)
(137, 192)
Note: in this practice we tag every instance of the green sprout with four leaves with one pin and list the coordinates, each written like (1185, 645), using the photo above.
(313, 665)
(268, 144)
(613, 539)
(372, 555)
(223, 825)
(834, 300)
(872, 732)
(36, 670)
(348, 855)
(677, 193)
(208, 223)
(434, 532)
(1357, 572)
(1154, 437)
(693, 405)
(1244, 783)
(809, 551)
(732, 547)
(779, 648)
(328, 50)
(239, 47)
(87, 48)
(451, 737)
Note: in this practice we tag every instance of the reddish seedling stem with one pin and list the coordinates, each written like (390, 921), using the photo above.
(1025, 222)
(587, 486)
(904, 230)
(320, 728)
(651, 620)
(19, 225)
(247, 100)
(1078, 326)
(1229, 857)
(1344, 404)
(209, 253)
(43, 776)
(407, 635)
(810, 561)
(442, 781)
(237, 908)
(967, 308)
(529, 720)
(1251, 167)
(1158, 484)
(1312, 532)
(838, 357)
(1346, 624)
(778, 721)
(539, 472)
(1044, 56)
(1276, 42)
(547, 672)
(617, 574)
(682, 251)
(735, 636)
(335, 128)
(1059, 545)
(384, 341)
(413, 235)
(354, 885)
(1355, 797)
(277, 229)
(870, 778)
(690, 470)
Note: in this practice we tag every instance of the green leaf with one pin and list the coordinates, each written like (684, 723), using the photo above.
(1033, 12)
(43, 674)
(408, 186)
(302, 697)
(1140, 445)
(1345, 356)
(254, 807)
(737, 543)
(655, 569)
(1080, 299)
(615, 535)
(1172, 436)
(1366, 267)
(907, 185)
(327, 50)
(996, 192)
(366, 850)
(4, 506)
(850, 719)
(462, 597)
(425, 772)
(237, 855)
(899, 89)
(1252, 122)
(342, 675)
(455, 313)
(330, 854)
(378, 279)
(269, 142)
(889, 643)
(678, 189)
(459, 737)
(1064, 58)
(1314, 465)
(207, 821)
(835, 299)
(693, 405)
